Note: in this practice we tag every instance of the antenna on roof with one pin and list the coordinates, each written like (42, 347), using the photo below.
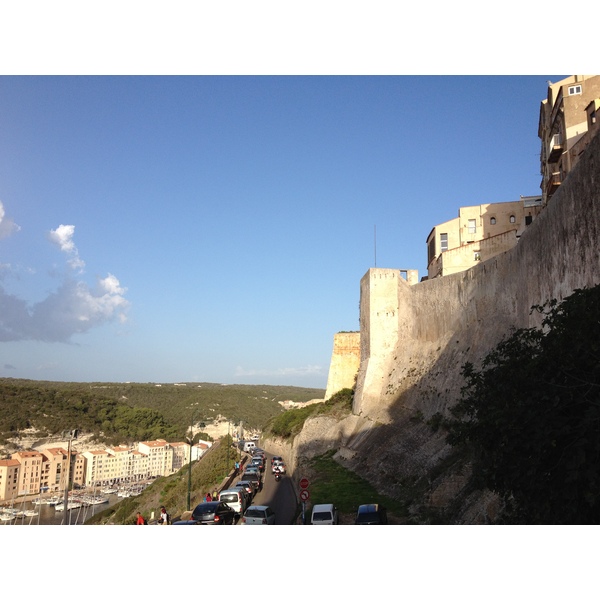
(375, 243)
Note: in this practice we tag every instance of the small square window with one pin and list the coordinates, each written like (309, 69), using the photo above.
(574, 89)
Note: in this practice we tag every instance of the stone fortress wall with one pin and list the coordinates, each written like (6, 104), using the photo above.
(414, 339)
(345, 360)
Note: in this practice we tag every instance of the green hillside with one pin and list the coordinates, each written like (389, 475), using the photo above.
(129, 412)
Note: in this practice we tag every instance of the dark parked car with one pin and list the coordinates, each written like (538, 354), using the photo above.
(247, 486)
(371, 514)
(255, 479)
(258, 461)
(213, 513)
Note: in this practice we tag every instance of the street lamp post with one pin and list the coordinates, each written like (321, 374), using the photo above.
(228, 444)
(72, 436)
(191, 440)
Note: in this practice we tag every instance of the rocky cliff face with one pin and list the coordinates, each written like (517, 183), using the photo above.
(415, 340)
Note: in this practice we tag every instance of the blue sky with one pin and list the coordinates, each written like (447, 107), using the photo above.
(216, 228)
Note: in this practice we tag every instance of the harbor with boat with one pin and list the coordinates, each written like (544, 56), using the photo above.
(50, 509)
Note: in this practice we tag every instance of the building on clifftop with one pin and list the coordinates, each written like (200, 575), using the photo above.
(567, 123)
(477, 234)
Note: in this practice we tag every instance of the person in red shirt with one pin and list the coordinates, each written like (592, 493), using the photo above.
(140, 519)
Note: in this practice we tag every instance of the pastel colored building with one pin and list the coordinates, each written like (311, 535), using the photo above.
(478, 233)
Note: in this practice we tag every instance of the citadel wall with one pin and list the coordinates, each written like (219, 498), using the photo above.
(415, 339)
(345, 360)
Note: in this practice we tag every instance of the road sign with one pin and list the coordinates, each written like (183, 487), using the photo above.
(304, 483)
(304, 495)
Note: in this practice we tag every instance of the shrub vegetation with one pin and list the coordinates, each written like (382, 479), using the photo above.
(530, 417)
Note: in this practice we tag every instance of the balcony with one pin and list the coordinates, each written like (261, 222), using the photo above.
(553, 184)
(555, 148)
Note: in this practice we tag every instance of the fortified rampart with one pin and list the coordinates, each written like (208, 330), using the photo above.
(426, 332)
(415, 339)
(345, 360)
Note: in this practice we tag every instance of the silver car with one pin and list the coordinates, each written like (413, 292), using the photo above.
(259, 515)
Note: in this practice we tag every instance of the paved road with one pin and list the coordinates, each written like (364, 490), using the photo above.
(279, 495)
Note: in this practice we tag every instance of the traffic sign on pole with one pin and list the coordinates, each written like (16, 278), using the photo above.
(304, 495)
(304, 483)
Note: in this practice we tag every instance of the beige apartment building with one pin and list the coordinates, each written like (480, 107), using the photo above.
(30, 471)
(104, 467)
(124, 463)
(477, 234)
(9, 478)
(568, 120)
(160, 456)
(54, 469)
(181, 455)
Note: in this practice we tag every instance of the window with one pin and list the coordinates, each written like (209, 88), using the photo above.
(493, 221)
(513, 219)
(443, 242)
(574, 89)
(472, 226)
(528, 220)
(476, 255)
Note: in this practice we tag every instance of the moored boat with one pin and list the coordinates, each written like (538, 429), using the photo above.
(6, 517)
(70, 506)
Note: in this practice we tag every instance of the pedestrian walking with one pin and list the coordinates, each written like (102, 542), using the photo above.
(165, 517)
(208, 497)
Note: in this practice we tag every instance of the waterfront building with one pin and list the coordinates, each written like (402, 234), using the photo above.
(160, 457)
(30, 471)
(97, 469)
(9, 478)
(181, 454)
(54, 464)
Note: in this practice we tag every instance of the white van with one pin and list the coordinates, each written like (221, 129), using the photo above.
(235, 498)
(248, 446)
(324, 514)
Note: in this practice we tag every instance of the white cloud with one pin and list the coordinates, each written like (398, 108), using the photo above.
(71, 309)
(62, 236)
(7, 226)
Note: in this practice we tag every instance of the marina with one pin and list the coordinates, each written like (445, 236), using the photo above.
(50, 510)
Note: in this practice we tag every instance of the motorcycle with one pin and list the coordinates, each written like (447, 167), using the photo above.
(277, 475)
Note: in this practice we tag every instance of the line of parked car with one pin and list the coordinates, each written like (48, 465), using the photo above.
(253, 474)
(236, 502)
